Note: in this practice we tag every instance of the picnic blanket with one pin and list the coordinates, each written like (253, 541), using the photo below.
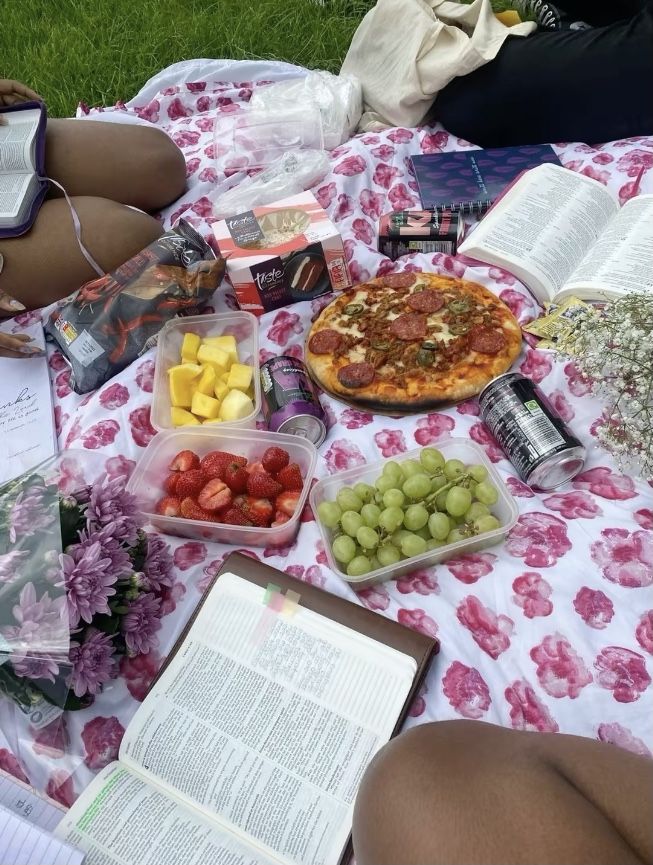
(552, 630)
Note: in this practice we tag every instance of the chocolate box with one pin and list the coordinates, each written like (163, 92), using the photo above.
(282, 253)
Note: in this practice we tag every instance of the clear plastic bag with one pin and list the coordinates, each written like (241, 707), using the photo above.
(289, 174)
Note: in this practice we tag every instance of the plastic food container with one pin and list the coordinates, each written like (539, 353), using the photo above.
(243, 325)
(146, 482)
(457, 448)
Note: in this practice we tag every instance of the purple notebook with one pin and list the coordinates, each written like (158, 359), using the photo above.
(22, 140)
(471, 180)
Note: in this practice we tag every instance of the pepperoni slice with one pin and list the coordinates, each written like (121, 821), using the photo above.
(399, 280)
(356, 375)
(409, 326)
(324, 341)
(426, 301)
(486, 340)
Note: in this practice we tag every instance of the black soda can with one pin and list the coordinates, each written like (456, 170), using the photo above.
(290, 400)
(530, 432)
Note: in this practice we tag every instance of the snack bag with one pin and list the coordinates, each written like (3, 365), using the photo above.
(114, 319)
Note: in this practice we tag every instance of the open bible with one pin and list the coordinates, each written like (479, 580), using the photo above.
(250, 747)
(563, 234)
(22, 166)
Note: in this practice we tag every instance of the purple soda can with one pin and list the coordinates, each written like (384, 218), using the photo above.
(290, 400)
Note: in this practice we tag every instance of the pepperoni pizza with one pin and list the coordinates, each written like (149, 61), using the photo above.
(409, 341)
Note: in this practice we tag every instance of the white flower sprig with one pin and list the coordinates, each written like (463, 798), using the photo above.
(613, 349)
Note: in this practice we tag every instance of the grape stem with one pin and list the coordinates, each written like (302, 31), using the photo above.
(456, 482)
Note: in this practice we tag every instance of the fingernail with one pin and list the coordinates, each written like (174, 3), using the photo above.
(16, 304)
(33, 350)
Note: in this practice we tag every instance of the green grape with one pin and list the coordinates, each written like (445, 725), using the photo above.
(375, 564)
(415, 517)
(435, 544)
(411, 467)
(351, 522)
(359, 566)
(413, 545)
(393, 498)
(439, 526)
(431, 459)
(486, 523)
(367, 538)
(348, 500)
(476, 510)
(454, 469)
(390, 519)
(378, 498)
(438, 482)
(471, 486)
(424, 533)
(479, 473)
(393, 470)
(441, 500)
(457, 535)
(398, 537)
(417, 486)
(487, 493)
(458, 500)
(387, 555)
(329, 514)
(364, 492)
(383, 484)
(344, 549)
(370, 514)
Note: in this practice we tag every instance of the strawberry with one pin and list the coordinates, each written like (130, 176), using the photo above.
(190, 483)
(279, 519)
(214, 496)
(184, 462)
(235, 517)
(275, 459)
(261, 485)
(287, 502)
(168, 507)
(215, 463)
(170, 485)
(192, 511)
(291, 478)
(254, 468)
(258, 511)
(235, 477)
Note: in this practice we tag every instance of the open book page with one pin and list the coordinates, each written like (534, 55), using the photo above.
(17, 142)
(23, 843)
(269, 722)
(543, 227)
(621, 260)
(26, 803)
(13, 192)
(121, 820)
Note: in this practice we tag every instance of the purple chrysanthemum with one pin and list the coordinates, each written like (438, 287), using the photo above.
(140, 624)
(40, 635)
(158, 564)
(93, 663)
(9, 562)
(88, 581)
(112, 548)
(29, 514)
(111, 505)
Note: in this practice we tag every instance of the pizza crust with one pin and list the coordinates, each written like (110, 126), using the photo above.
(416, 389)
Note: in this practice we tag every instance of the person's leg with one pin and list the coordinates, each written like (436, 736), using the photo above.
(132, 164)
(587, 85)
(469, 793)
(46, 264)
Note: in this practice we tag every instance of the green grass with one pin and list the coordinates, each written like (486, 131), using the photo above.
(99, 51)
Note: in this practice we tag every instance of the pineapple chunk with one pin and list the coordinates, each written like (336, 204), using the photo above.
(220, 390)
(235, 406)
(215, 356)
(226, 343)
(206, 382)
(224, 377)
(240, 376)
(205, 406)
(189, 347)
(182, 381)
(181, 417)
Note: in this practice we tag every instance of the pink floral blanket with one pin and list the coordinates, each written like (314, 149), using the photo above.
(553, 630)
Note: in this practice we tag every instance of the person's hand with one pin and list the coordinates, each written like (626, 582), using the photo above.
(15, 345)
(8, 305)
(13, 92)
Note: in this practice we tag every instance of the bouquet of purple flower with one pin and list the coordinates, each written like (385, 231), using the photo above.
(80, 585)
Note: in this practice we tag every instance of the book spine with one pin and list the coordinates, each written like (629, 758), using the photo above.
(464, 208)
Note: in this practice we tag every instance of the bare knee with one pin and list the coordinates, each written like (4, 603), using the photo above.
(164, 167)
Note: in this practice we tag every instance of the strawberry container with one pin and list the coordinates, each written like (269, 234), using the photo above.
(457, 448)
(146, 482)
(243, 325)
